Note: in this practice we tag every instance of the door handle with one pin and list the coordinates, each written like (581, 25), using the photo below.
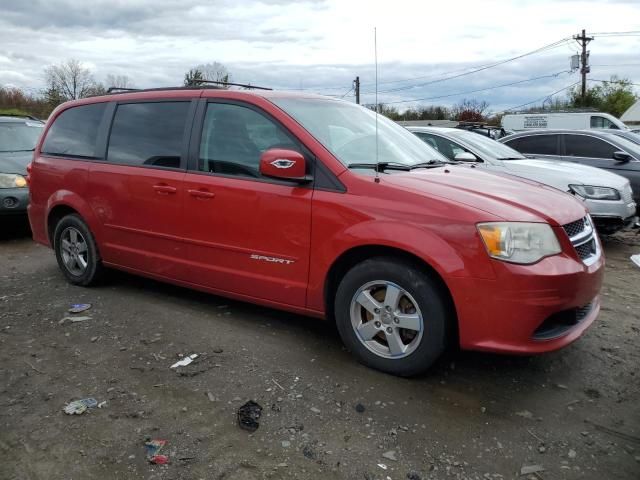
(164, 189)
(201, 193)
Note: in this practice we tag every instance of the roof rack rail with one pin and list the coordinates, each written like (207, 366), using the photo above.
(121, 89)
(231, 84)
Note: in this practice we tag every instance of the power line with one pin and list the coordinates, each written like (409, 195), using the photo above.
(617, 65)
(479, 69)
(478, 90)
(617, 33)
(541, 98)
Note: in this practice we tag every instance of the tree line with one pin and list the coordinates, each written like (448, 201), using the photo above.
(71, 80)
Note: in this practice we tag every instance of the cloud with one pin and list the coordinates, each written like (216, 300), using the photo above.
(320, 45)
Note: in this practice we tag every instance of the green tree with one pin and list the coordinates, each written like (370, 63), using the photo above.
(614, 96)
(193, 77)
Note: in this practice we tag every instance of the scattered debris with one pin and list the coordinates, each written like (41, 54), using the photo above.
(382, 466)
(79, 307)
(572, 453)
(413, 476)
(211, 397)
(286, 444)
(73, 319)
(153, 448)
(529, 469)
(315, 410)
(34, 368)
(308, 452)
(390, 455)
(248, 416)
(278, 385)
(635, 259)
(185, 361)
(78, 407)
(525, 414)
(611, 431)
(360, 408)
(102, 404)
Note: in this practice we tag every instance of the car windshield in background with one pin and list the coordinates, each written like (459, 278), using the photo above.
(349, 132)
(489, 147)
(18, 136)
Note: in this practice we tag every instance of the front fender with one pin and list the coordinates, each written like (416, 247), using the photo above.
(454, 250)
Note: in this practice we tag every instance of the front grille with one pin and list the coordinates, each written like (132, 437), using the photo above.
(586, 249)
(574, 228)
(583, 238)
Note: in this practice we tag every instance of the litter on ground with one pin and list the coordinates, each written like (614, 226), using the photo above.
(185, 361)
(78, 407)
(79, 307)
(248, 416)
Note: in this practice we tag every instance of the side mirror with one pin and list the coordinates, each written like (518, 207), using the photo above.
(620, 156)
(284, 164)
(465, 157)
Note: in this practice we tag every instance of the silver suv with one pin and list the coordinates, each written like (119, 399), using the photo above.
(607, 196)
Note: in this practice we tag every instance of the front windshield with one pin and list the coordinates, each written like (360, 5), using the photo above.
(349, 132)
(18, 136)
(489, 147)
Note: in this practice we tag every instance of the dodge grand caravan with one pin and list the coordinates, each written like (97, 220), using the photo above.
(277, 198)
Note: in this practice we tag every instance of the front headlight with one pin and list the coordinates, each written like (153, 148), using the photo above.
(10, 180)
(518, 242)
(595, 193)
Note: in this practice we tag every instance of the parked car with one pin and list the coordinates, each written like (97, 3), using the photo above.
(605, 194)
(588, 147)
(310, 205)
(632, 136)
(18, 137)
(490, 131)
(568, 120)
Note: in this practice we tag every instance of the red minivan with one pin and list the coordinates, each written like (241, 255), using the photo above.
(314, 205)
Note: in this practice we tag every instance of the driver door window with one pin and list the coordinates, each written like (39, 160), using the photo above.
(234, 137)
(446, 147)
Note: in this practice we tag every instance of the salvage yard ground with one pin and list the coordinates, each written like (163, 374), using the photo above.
(566, 415)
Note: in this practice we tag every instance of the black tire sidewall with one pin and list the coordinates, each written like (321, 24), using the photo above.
(94, 267)
(430, 300)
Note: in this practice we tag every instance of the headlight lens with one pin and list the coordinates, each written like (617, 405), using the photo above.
(10, 180)
(596, 193)
(518, 242)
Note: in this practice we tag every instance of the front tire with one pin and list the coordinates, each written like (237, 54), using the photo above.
(76, 251)
(392, 316)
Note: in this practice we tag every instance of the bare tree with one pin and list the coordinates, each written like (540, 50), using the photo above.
(214, 71)
(70, 80)
(118, 81)
(470, 111)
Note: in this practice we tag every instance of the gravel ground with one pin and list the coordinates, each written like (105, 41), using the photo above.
(566, 415)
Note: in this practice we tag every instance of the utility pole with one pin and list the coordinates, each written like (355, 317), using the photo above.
(583, 40)
(356, 84)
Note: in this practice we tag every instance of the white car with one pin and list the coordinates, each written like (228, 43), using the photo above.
(607, 196)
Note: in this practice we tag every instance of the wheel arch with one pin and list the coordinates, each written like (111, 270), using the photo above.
(64, 203)
(355, 255)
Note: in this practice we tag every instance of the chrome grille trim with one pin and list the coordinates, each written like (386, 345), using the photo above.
(584, 240)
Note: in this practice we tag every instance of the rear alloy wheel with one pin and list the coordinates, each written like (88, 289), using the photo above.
(76, 251)
(392, 316)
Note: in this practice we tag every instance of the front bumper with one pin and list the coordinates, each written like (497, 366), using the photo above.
(528, 309)
(13, 200)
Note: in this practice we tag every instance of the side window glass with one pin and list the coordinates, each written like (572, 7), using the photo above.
(585, 146)
(448, 148)
(148, 134)
(428, 139)
(75, 132)
(537, 144)
(234, 137)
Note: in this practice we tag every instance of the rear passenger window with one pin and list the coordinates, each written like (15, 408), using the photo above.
(234, 137)
(75, 132)
(536, 144)
(584, 146)
(148, 134)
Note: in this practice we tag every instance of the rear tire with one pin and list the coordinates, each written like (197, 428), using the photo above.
(76, 251)
(392, 316)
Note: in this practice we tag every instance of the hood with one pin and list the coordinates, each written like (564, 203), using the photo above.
(562, 174)
(501, 195)
(15, 162)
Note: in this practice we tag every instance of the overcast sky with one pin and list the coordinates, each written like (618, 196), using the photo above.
(323, 44)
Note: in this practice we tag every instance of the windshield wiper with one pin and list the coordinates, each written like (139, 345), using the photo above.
(11, 151)
(431, 164)
(382, 166)
(511, 158)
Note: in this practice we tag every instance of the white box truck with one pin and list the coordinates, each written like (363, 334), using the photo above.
(574, 121)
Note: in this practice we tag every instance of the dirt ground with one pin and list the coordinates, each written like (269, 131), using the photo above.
(570, 414)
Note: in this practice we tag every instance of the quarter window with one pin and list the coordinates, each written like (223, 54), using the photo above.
(234, 137)
(536, 144)
(148, 134)
(74, 133)
(601, 122)
(585, 146)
